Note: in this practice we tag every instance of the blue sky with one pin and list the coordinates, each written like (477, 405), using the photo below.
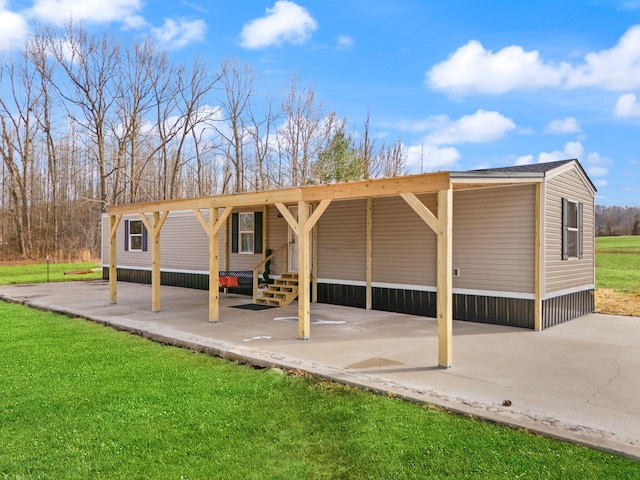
(463, 84)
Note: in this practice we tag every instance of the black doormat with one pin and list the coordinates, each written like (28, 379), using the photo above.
(254, 306)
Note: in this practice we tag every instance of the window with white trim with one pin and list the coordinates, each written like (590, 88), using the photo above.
(246, 230)
(572, 230)
(135, 235)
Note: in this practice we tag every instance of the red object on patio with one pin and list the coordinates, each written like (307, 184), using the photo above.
(228, 281)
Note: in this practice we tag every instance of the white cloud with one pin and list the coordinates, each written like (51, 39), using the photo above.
(563, 126)
(98, 11)
(285, 22)
(615, 69)
(525, 160)
(594, 164)
(573, 150)
(474, 69)
(181, 32)
(480, 127)
(14, 28)
(430, 158)
(627, 106)
(345, 42)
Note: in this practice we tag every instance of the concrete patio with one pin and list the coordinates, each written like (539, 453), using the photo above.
(577, 381)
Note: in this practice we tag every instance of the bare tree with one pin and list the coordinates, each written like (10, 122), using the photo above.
(237, 84)
(262, 134)
(143, 68)
(392, 159)
(38, 56)
(89, 64)
(305, 133)
(18, 112)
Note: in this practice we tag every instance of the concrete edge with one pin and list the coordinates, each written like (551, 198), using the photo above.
(516, 420)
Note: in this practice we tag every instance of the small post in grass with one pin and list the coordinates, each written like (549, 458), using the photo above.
(47, 268)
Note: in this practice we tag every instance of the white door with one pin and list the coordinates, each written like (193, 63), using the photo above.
(293, 244)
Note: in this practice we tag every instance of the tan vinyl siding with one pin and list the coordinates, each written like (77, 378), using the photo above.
(561, 275)
(404, 247)
(184, 245)
(237, 261)
(494, 239)
(341, 241)
(180, 234)
(277, 235)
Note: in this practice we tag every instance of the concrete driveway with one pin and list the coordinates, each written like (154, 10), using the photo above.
(578, 381)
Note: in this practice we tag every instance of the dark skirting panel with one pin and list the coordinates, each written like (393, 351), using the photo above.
(345, 295)
(567, 307)
(514, 312)
(474, 308)
(179, 279)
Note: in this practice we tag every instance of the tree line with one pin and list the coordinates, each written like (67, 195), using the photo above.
(616, 221)
(88, 121)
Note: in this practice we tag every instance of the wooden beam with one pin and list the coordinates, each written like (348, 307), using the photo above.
(317, 213)
(423, 212)
(381, 187)
(538, 255)
(251, 199)
(304, 304)
(265, 230)
(155, 260)
(212, 228)
(445, 277)
(217, 225)
(202, 220)
(214, 263)
(369, 255)
(114, 221)
(314, 262)
(154, 227)
(286, 214)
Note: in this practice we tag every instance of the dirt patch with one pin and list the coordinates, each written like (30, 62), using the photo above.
(617, 303)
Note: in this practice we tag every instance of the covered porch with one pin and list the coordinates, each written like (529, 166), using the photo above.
(311, 203)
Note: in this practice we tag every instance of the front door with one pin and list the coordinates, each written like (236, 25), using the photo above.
(293, 243)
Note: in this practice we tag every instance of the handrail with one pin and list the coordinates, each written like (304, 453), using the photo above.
(265, 260)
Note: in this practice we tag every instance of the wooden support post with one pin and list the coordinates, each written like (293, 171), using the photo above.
(155, 263)
(442, 225)
(114, 221)
(157, 220)
(304, 306)
(214, 267)
(445, 277)
(538, 259)
(212, 227)
(369, 255)
(314, 261)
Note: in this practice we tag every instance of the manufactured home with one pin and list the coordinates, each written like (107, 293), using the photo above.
(510, 246)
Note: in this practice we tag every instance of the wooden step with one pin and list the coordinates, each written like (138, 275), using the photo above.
(283, 291)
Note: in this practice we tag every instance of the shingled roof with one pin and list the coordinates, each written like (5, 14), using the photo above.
(533, 170)
(530, 168)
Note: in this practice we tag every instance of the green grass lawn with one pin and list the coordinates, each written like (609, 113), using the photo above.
(37, 273)
(80, 400)
(618, 263)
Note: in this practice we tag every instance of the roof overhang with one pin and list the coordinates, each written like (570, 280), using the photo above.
(469, 180)
(379, 187)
